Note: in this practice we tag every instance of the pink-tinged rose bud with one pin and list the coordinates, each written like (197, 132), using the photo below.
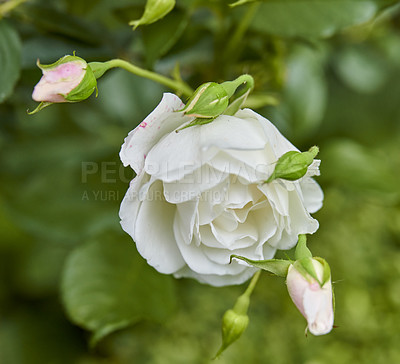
(70, 79)
(313, 301)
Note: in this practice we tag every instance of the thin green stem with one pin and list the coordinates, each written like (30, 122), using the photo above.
(252, 284)
(175, 85)
(236, 39)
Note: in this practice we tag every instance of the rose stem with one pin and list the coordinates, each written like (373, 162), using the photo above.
(173, 84)
(236, 39)
(252, 284)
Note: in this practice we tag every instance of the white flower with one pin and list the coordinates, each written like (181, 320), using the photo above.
(200, 194)
(313, 301)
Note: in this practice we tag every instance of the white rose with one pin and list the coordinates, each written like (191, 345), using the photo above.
(200, 194)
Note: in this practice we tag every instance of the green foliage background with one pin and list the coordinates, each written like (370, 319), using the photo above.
(67, 269)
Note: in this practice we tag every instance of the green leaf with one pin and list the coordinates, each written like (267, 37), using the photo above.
(106, 286)
(362, 169)
(42, 332)
(361, 68)
(279, 267)
(311, 18)
(154, 10)
(301, 249)
(305, 90)
(51, 20)
(163, 35)
(10, 59)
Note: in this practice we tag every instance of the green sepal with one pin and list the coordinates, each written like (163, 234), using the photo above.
(208, 101)
(231, 87)
(237, 104)
(196, 121)
(153, 11)
(62, 60)
(326, 273)
(278, 267)
(306, 268)
(41, 106)
(85, 87)
(301, 249)
(99, 68)
(293, 165)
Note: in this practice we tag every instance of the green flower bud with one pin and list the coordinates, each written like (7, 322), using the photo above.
(293, 165)
(212, 99)
(208, 101)
(154, 10)
(234, 322)
(233, 325)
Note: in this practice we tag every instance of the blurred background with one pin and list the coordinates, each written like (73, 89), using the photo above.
(73, 288)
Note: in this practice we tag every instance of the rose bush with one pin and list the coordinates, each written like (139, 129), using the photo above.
(200, 194)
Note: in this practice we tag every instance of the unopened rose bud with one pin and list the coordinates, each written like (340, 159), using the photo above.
(208, 101)
(294, 165)
(70, 79)
(234, 322)
(312, 297)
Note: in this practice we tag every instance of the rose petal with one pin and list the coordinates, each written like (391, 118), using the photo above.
(318, 310)
(131, 203)
(264, 220)
(292, 218)
(163, 120)
(313, 169)
(216, 280)
(193, 185)
(154, 235)
(197, 260)
(185, 218)
(226, 221)
(194, 146)
(251, 165)
(223, 256)
(211, 202)
(244, 235)
(277, 195)
(312, 195)
(183, 157)
(278, 143)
